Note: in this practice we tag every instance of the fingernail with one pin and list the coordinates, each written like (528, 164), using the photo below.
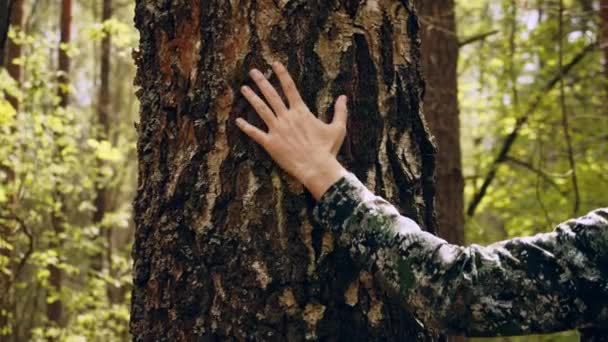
(244, 89)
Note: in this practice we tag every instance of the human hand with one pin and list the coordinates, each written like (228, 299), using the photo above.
(302, 145)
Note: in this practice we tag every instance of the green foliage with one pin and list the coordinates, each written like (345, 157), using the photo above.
(54, 162)
(500, 77)
(53, 165)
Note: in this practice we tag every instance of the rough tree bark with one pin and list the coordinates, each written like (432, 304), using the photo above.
(439, 65)
(225, 243)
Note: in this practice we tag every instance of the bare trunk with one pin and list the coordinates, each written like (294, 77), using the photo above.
(604, 37)
(5, 11)
(439, 63)
(64, 59)
(225, 245)
(15, 19)
(54, 309)
(102, 200)
(439, 58)
(14, 50)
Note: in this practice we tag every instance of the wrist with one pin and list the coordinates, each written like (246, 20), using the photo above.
(319, 176)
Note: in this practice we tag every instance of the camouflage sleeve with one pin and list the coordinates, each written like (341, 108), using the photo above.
(544, 283)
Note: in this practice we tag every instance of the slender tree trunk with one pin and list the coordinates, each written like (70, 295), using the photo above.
(439, 63)
(439, 58)
(55, 308)
(5, 16)
(604, 36)
(102, 200)
(14, 50)
(13, 17)
(226, 247)
(6, 284)
(64, 59)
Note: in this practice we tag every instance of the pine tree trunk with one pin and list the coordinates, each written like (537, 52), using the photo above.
(225, 245)
(439, 64)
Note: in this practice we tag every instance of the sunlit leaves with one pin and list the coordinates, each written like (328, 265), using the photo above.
(499, 77)
(123, 36)
(52, 165)
(105, 151)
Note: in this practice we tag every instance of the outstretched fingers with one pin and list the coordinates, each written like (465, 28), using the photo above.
(270, 94)
(260, 106)
(253, 132)
(340, 112)
(289, 87)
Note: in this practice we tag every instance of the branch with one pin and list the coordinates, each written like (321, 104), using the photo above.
(519, 123)
(30, 238)
(537, 171)
(476, 38)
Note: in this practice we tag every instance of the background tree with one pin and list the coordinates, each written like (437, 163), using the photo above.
(5, 13)
(439, 42)
(604, 34)
(13, 17)
(54, 306)
(225, 244)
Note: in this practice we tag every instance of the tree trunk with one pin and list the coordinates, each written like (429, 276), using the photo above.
(604, 36)
(5, 20)
(13, 17)
(103, 106)
(64, 59)
(13, 51)
(102, 198)
(54, 309)
(226, 247)
(439, 59)
(439, 63)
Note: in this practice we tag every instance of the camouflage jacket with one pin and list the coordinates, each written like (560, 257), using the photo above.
(544, 283)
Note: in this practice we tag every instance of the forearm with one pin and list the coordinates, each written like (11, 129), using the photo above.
(527, 285)
(319, 175)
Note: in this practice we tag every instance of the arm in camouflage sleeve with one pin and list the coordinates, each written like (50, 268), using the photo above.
(544, 283)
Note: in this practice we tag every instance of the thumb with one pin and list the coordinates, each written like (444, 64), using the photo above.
(340, 112)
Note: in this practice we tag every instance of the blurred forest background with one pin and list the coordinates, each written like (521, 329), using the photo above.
(533, 100)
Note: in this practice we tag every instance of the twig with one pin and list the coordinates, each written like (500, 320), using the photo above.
(30, 238)
(476, 38)
(542, 174)
(519, 123)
